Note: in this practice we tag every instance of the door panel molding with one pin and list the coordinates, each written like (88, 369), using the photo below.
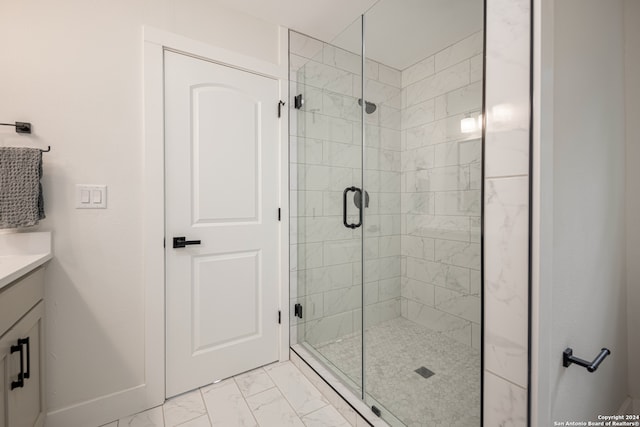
(225, 208)
(252, 259)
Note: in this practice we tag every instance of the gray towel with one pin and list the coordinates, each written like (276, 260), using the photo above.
(21, 202)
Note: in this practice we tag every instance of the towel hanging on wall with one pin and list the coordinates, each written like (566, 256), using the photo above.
(21, 202)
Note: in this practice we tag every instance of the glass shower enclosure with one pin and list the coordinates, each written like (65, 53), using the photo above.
(385, 192)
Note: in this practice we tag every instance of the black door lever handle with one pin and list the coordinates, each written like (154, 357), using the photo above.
(181, 242)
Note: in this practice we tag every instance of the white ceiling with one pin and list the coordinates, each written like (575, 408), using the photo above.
(316, 18)
(399, 33)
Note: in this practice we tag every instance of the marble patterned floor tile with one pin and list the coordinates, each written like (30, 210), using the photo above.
(226, 406)
(183, 408)
(253, 382)
(277, 395)
(297, 389)
(201, 421)
(271, 409)
(327, 416)
(151, 418)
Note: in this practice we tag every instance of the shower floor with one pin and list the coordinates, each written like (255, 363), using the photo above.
(394, 350)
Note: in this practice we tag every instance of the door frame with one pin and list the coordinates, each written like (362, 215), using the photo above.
(155, 43)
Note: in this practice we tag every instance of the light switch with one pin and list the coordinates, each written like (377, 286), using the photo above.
(91, 196)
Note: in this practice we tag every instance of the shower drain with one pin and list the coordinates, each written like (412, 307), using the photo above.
(426, 373)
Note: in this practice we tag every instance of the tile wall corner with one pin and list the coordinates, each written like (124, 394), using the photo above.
(506, 215)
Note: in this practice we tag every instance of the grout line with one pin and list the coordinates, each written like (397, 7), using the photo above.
(324, 407)
(505, 379)
(244, 399)
(205, 406)
(192, 419)
(254, 394)
(487, 178)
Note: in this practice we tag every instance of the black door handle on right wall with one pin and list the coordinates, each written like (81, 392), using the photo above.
(568, 358)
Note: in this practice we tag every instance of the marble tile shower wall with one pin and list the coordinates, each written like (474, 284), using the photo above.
(325, 158)
(441, 189)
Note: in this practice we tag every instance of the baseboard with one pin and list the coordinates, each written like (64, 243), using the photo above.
(626, 406)
(105, 409)
(630, 406)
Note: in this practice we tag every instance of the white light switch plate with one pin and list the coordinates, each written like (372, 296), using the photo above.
(91, 196)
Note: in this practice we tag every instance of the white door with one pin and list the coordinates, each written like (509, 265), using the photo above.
(221, 156)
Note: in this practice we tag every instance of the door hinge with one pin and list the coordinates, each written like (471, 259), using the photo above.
(279, 317)
(280, 105)
(297, 310)
(278, 214)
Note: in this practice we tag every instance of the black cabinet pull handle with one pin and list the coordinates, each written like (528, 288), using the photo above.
(25, 341)
(344, 207)
(568, 358)
(20, 383)
(181, 242)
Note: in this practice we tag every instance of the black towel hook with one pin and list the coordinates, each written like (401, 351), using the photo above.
(21, 127)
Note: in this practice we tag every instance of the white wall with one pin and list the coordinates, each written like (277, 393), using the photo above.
(632, 102)
(74, 69)
(589, 293)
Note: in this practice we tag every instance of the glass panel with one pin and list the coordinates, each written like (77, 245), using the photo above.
(423, 152)
(326, 174)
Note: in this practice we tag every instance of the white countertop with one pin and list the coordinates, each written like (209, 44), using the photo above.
(22, 252)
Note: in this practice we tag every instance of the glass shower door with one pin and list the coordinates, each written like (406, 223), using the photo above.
(326, 181)
(423, 170)
(386, 177)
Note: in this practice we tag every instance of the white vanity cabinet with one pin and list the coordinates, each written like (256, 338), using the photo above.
(22, 351)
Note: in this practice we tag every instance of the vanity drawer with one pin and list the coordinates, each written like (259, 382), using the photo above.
(19, 297)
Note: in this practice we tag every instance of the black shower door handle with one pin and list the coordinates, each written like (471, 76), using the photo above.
(344, 207)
